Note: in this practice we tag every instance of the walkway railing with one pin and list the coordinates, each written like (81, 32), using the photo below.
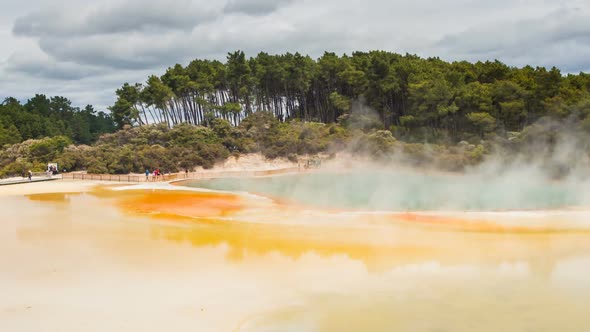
(177, 176)
(104, 177)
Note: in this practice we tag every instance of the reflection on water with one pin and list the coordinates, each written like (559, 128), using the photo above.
(52, 197)
(104, 258)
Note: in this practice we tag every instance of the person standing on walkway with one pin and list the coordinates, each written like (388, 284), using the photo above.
(30, 175)
(147, 174)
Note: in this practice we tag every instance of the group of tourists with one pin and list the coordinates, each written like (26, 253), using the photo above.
(51, 170)
(155, 175)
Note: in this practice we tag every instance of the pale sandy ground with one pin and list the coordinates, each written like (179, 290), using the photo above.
(57, 186)
(250, 162)
(341, 161)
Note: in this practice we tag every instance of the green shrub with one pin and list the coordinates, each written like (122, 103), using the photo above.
(46, 150)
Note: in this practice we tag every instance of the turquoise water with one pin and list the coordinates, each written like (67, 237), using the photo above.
(401, 191)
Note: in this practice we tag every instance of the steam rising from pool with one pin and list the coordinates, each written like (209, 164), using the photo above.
(412, 191)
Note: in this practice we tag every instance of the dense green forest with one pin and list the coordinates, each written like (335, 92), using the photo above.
(417, 99)
(425, 112)
(43, 117)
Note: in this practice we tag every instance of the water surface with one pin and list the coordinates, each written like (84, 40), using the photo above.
(144, 260)
(399, 190)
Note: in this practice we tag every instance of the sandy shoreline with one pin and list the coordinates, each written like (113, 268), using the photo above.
(245, 163)
(243, 166)
(57, 186)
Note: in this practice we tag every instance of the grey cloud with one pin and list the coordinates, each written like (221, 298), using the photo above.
(132, 34)
(37, 64)
(254, 7)
(56, 71)
(42, 22)
(122, 52)
(164, 48)
(123, 17)
(97, 90)
(138, 15)
(561, 38)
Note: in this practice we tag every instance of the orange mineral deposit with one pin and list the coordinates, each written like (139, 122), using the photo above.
(183, 204)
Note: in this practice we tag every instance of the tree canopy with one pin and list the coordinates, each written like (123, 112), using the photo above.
(425, 99)
(43, 117)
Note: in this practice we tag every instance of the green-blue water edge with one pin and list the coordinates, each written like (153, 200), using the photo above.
(401, 191)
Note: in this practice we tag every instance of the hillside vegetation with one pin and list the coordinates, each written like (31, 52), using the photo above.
(420, 100)
(425, 112)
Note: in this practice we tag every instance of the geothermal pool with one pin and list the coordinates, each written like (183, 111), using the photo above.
(395, 191)
(285, 257)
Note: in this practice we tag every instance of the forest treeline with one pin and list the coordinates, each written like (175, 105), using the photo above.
(417, 99)
(425, 112)
(43, 117)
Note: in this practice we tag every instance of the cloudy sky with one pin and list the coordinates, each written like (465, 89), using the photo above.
(85, 49)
